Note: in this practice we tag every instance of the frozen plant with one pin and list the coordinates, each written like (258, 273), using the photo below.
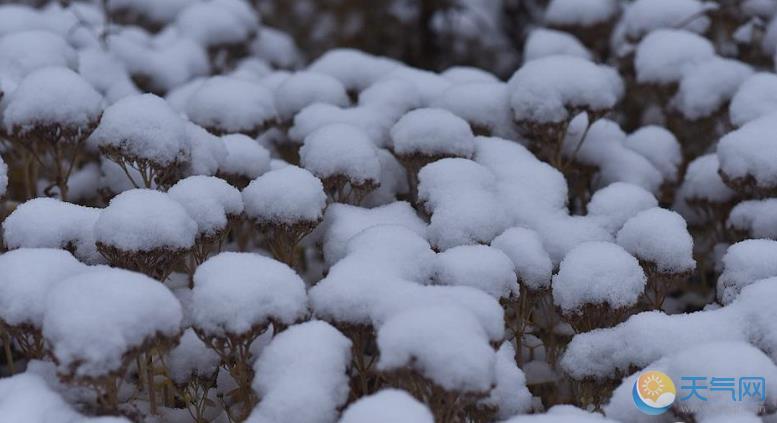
(236, 298)
(214, 205)
(50, 223)
(98, 322)
(145, 231)
(387, 406)
(285, 204)
(301, 375)
(245, 160)
(753, 219)
(659, 239)
(596, 284)
(28, 274)
(346, 161)
(49, 116)
(144, 136)
(228, 105)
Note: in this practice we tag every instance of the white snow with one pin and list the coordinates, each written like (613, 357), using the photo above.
(665, 55)
(245, 157)
(302, 375)
(276, 47)
(218, 22)
(24, 52)
(341, 150)
(428, 340)
(209, 201)
(660, 147)
(745, 263)
(543, 42)
(531, 262)
(387, 406)
(702, 181)
(285, 196)
(756, 97)
(484, 105)
(145, 220)
(342, 222)
(50, 223)
(355, 69)
(305, 88)
(373, 120)
(229, 105)
(432, 132)
(757, 218)
(467, 74)
(92, 319)
(644, 16)
(479, 266)
(544, 90)
(509, 394)
(191, 359)
(580, 13)
(706, 87)
(208, 151)
(235, 293)
(597, 273)
(27, 275)
(661, 237)
(3, 177)
(616, 203)
(53, 96)
(750, 152)
(143, 127)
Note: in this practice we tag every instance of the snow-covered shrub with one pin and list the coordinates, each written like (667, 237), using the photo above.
(193, 368)
(346, 161)
(746, 159)
(596, 284)
(143, 133)
(50, 114)
(545, 94)
(301, 375)
(286, 204)
(245, 160)
(214, 205)
(228, 105)
(484, 105)
(662, 150)
(145, 231)
(425, 135)
(753, 219)
(659, 239)
(50, 223)
(236, 298)
(416, 347)
(591, 21)
(302, 89)
(618, 202)
(224, 27)
(744, 263)
(756, 97)
(387, 406)
(98, 322)
(28, 398)
(24, 286)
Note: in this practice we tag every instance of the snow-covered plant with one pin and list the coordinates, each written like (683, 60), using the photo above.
(661, 148)
(346, 161)
(224, 27)
(387, 406)
(24, 286)
(302, 89)
(659, 239)
(533, 267)
(214, 205)
(302, 375)
(591, 21)
(49, 116)
(98, 322)
(236, 298)
(145, 231)
(285, 204)
(484, 105)
(193, 368)
(228, 105)
(753, 219)
(545, 94)
(143, 133)
(743, 264)
(425, 135)
(50, 223)
(596, 284)
(746, 159)
(245, 160)
(416, 348)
